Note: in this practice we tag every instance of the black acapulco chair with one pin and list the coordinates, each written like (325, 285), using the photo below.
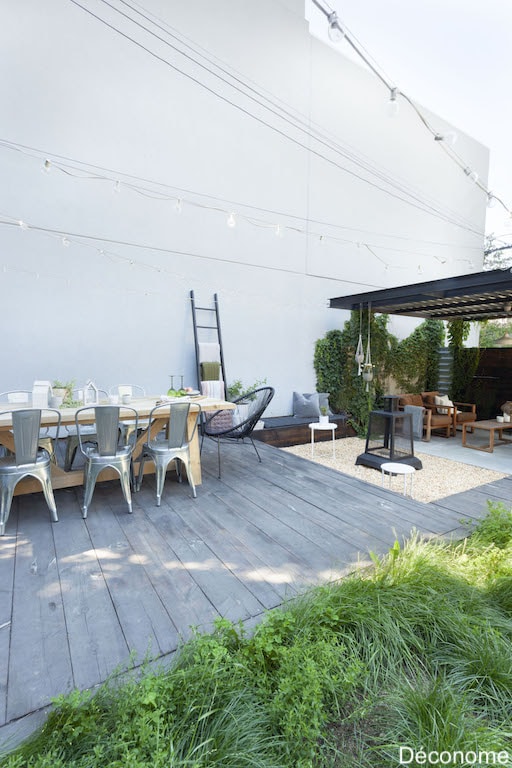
(238, 424)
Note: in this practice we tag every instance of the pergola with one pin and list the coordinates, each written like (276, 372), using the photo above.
(478, 296)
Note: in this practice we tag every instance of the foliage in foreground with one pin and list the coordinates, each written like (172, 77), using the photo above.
(415, 653)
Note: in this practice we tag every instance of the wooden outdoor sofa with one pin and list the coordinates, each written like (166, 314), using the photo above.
(445, 417)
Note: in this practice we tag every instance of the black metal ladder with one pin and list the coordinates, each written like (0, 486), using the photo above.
(210, 323)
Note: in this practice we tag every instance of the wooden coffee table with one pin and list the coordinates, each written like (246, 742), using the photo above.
(491, 426)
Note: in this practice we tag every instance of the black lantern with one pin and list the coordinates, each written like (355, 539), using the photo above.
(389, 437)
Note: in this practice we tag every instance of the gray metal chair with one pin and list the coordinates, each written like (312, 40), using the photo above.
(24, 397)
(106, 452)
(29, 460)
(174, 446)
(128, 390)
(88, 431)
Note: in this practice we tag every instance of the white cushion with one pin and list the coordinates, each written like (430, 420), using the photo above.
(443, 400)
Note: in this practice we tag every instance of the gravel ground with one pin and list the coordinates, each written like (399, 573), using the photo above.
(438, 478)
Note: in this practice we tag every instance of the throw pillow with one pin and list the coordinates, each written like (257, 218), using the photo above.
(443, 400)
(306, 406)
(411, 400)
(323, 400)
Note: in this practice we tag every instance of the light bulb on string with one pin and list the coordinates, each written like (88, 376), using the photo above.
(449, 138)
(178, 206)
(335, 31)
(117, 187)
(22, 224)
(491, 200)
(393, 107)
(46, 166)
(278, 230)
(65, 242)
(231, 221)
(472, 175)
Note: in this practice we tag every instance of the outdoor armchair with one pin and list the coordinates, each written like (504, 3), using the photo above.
(238, 424)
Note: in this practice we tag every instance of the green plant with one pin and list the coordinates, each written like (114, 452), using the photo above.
(68, 386)
(323, 410)
(415, 651)
(237, 389)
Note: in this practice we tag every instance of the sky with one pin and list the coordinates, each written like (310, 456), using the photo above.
(454, 58)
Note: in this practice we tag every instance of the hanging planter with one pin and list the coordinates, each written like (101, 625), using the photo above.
(359, 356)
(368, 367)
(368, 372)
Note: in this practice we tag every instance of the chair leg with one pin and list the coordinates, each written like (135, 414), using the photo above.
(188, 470)
(6, 494)
(46, 482)
(124, 474)
(254, 446)
(71, 448)
(90, 475)
(218, 454)
(160, 470)
(141, 471)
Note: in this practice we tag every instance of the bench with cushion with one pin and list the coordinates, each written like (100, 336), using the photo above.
(283, 431)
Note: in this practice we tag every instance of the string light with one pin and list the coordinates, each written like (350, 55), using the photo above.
(335, 31)
(66, 242)
(46, 166)
(472, 175)
(22, 224)
(450, 137)
(447, 140)
(178, 206)
(231, 221)
(393, 106)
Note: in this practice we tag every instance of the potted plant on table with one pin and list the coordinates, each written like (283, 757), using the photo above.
(324, 415)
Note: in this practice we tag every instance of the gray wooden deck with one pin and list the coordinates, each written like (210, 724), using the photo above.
(77, 598)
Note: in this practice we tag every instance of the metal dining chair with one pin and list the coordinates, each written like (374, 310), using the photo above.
(129, 391)
(171, 444)
(88, 432)
(29, 460)
(24, 397)
(106, 451)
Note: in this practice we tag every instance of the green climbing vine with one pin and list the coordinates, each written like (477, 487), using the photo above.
(465, 360)
(411, 363)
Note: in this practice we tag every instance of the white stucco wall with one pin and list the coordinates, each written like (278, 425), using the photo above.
(258, 117)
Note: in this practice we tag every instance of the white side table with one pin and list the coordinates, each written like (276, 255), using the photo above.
(398, 468)
(317, 426)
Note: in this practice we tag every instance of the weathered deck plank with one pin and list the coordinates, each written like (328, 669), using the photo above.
(78, 597)
(39, 661)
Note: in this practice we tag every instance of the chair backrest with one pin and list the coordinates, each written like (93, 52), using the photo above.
(176, 433)
(106, 419)
(16, 396)
(255, 403)
(26, 426)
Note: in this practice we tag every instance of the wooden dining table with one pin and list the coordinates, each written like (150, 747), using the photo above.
(143, 406)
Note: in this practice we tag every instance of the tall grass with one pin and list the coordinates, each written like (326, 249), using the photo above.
(416, 652)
